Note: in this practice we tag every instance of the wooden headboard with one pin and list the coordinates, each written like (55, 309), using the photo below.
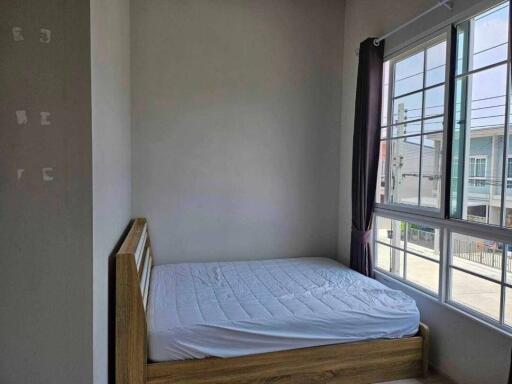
(133, 271)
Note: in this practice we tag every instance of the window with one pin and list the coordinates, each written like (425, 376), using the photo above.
(477, 171)
(412, 127)
(454, 244)
(480, 110)
(409, 251)
(476, 277)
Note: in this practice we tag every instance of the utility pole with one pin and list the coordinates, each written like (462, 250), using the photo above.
(397, 177)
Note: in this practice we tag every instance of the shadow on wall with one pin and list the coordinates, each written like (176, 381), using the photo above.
(112, 306)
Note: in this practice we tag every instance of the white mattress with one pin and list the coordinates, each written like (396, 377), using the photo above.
(231, 309)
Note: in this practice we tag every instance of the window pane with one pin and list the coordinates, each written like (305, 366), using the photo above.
(432, 158)
(434, 101)
(381, 173)
(390, 260)
(385, 93)
(487, 43)
(436, 64)
(508, 306)
(404, 170)
(391, 231)
(458, 149)
(423, 240)
(490, 37)
(508, 264)
(407, 108)
(433, 125)
(423, 272)
(409, 74)
(478, 146)
(477, 255)
(486, 103)
(508, 190)
(406, 129)
(476, 293)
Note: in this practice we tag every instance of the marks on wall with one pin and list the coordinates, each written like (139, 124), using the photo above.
(45, 118)
(17, 34)
(28, 119)
(47, 174)
(45, 35)
(21, 117)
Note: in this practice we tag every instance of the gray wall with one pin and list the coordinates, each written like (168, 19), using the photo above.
(111, 152)
(462, 348)
(236, 114)
(45, 226)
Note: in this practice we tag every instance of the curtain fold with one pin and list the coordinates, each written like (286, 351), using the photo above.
(365, 157)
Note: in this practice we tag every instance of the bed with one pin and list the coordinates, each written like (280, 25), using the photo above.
(302, 320)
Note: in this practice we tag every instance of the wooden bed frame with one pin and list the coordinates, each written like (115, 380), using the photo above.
(350, 363)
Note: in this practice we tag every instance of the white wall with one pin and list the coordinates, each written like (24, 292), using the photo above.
(236, 113)
(463, 349)
(111, 157)
(45, 226)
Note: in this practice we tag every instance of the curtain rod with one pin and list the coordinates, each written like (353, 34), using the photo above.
(440, 3)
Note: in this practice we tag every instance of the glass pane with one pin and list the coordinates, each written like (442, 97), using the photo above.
(490, 37)
(385, 93)
(476, 293)
(433, 125)
(458, 149)
(434, 101)
(390, 260)
(477, 255)
(423, 240)
(436, 64)
(508, 264)
(391, 231)
(431, 175)
(487, 43)
(406, 129)
(404, 170)
(407, 108)
(486, 103)
(423, 272)
(381, 173)
(508, 306)
(508, 190)
(462, 47)
(409, 74)
(480, 101)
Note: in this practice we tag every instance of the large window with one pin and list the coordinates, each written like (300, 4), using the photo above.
(444, 224)
(412, 127)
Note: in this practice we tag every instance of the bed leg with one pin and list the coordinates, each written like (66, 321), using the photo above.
(424, 333)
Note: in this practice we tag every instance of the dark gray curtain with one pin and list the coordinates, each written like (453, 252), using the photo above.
(365, 157)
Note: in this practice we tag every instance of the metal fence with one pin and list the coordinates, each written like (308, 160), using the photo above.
(480, 253)
(477, 252)
(421, 238)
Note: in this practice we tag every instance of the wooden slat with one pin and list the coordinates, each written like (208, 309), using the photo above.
(146, 276)
(363, 362)
(424, 332)
(132, 240)
(141, 247)
(131, 355)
